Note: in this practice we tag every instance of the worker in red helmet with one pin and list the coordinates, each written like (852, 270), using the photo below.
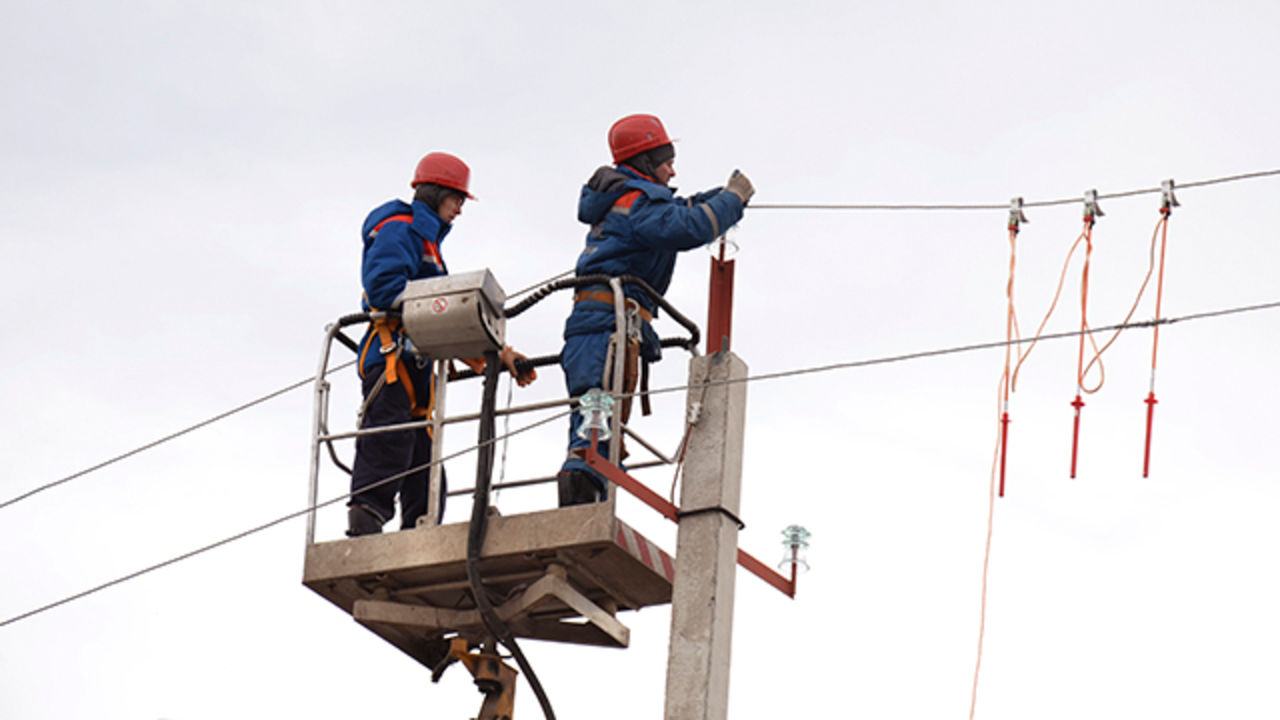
(402, 243)
(638, 227)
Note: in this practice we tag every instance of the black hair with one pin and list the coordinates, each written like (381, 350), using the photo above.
(433, 194)
(650, 160)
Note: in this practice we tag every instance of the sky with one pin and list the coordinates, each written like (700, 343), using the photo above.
(181, 188)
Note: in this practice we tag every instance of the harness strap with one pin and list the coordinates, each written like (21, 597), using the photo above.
(385, 327)
(417, 410)
(606, 296)
(414, 409)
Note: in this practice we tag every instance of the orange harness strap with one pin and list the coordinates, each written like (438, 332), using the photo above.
(385, 327)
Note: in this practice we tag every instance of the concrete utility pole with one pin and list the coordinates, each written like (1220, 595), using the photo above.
(707, 544)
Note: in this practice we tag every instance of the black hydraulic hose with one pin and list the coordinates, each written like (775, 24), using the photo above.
(347, 342)
(480, 524)
(601, 279)
(355, 319)
(361, 317)
(352, 319)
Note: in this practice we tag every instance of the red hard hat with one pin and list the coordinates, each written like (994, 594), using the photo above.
(634, 134)
(443, 169)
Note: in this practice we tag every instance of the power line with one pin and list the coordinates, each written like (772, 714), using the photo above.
(216, 418)
(266, 525)
(754, 378)
(759, 206)
(169, 437)
(1002, 206)
(963, 349)
(770, 376)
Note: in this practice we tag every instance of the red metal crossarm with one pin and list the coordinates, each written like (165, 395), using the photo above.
(767, 574)
(617, 476)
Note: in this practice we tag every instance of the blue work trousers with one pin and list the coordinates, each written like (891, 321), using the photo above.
(583, 361)
(383, 455)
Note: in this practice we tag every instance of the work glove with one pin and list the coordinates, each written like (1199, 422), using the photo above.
(741, 186)
(508, 356)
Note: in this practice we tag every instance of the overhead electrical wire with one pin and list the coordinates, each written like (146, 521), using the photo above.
(221, 416)
(272, 523)
(963, 348)
(488, 438)
(1002, 206)
(769, 376)
(1082, 371)
(755, 378)
(757, 206)
(752, 378)
(171, 436)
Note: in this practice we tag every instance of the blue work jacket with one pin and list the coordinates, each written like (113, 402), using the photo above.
(637, 228)
(396, 252)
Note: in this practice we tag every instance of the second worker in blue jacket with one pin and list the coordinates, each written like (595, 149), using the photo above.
(638, 226)
(401, 244)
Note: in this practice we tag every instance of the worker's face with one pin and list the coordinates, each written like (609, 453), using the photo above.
(451, 207)
(665, 172)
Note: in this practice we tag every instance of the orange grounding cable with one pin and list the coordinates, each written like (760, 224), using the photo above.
(1165, 211)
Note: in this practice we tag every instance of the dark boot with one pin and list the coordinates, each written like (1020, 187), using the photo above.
(576, 488)
(362, 521)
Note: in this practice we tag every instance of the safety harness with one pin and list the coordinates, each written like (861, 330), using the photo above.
(385, 328)
(633, 368)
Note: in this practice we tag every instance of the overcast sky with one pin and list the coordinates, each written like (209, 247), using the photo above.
(181, 190)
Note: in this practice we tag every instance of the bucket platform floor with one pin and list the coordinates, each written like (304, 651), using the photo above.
(557, 575)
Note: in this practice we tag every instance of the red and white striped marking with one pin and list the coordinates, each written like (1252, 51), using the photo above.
(646, 552)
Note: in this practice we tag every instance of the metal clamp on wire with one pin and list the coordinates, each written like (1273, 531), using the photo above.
(1016, 216)
(682, 514)
(1167, 200)
(1091, 209)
